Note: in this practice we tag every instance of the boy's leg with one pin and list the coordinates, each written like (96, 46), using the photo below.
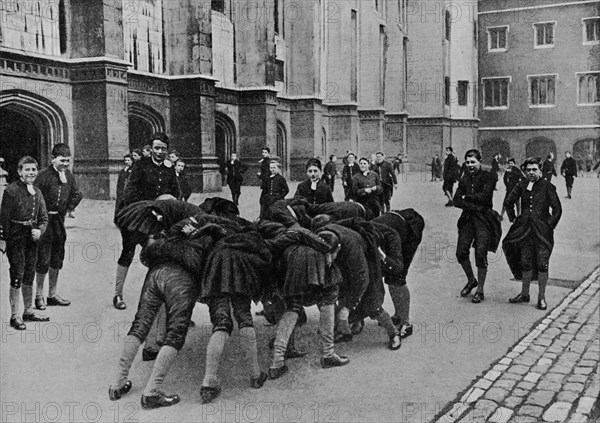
(57, 256)
(243, 316)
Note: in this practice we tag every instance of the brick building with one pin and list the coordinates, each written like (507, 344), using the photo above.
(309, 78)
(539, 66)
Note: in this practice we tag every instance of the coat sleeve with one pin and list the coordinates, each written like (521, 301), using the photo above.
(76, 196)
(391, 170)
(555, 205)
(486, 193)
(463, 203)
(174, 188)
(5, 211)
(284, 188)
(131, 193)
(42, 215)
(510, 201)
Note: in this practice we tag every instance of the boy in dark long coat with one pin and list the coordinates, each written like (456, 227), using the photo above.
(388, 180)
(568, 170)
(478, 224)
(274, 188)
(512, 177)
(61, 194)
(235, 177)
(366, 187)
(350, 169)
(23, 220)
(410, 225)
(121, 182)
(529, 242)
(315, 190)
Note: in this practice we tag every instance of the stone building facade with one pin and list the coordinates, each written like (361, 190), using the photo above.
(308, 78)
(539, 70)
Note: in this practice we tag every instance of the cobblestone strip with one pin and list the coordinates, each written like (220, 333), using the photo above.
(551, 375)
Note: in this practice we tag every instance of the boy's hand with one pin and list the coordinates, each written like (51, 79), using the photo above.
(36, 234)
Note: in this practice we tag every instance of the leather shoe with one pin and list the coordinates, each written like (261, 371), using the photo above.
(395, 342)
(35, 317)
(149, 355)
(406, 330)
(58, 301)
(258, 382)
(334, 361)
(119, 303)
(276, 373)
(541, 305)
(116, 393)
(471, 285)
(294, 353)
(209, 393)
(519, 299)
(478, 298)
(357, 327)
(342, 337)
(40, 304)
(17, 323)
(159, 400)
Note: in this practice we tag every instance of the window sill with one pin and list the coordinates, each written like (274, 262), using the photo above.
(542, 106)
(543, 46)
(591, 43)
(497, 50)
(588, 104)
(496, 108)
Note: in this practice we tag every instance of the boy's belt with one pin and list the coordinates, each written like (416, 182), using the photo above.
(52, 212)
(24, 222)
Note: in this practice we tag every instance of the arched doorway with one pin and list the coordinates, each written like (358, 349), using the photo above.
(30, 125)
(490, 147)
(540, 147)
(584, 148)
(225, 140)
(282, 150)
(143, 122)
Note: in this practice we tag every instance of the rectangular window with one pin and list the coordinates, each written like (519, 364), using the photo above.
(591, 31)
(544, 34)
(402, 12)
(495, 93)
(448, 24)
(542, 90)
(354, 57)
(463, 93)
(498, 38)
(218, 5)
(588, 88)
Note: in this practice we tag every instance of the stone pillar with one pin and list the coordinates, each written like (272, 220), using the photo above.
(192, 122)
(306, 130)
(100, 121)
(257, 128)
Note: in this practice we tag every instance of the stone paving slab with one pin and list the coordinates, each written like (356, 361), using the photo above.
(533, 383)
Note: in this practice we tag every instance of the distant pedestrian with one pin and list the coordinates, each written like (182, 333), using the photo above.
(235, 177)
(580, 165)
(548, 168)
(23, 220)
(136, 155)
(530, 240)
(388, 180)
(147, 150)
(436, 166)
(350, 169)
(330, 171)
(184, 187)
(397, 163)
(512, 177)
(264, 173)
(274, 188)
(451, 174)
(568, 170)
(589, 163)
(121, 182)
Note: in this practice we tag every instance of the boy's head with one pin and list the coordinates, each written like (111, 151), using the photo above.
(28, 169)
(61, 157)
(128, 159)
(179, 166)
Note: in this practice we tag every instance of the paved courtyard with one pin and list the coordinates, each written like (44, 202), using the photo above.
(60, 370)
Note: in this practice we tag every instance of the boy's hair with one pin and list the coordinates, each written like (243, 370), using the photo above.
(61, 150)
(128, 156)
(378, 153)
(473, 153)
(533, 161)
(27, 160)
(175, 152)
(511, 159)
(450, 149)
(331, 157)
(313, 162)
(137, 151)
(161, 136)
(180, 161)
(267, 149)
(147, 147)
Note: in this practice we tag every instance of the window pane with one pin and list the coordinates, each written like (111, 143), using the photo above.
(535, 95)
(550, 34)
(502, 38)
(597, 85)
(591, 89)
(543, 91)
(487, 89)
(504, 93)
(589, 31)
(551, 91)
(540, 34)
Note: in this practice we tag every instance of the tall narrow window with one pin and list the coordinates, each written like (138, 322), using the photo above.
(463, 93)
(591, 31)
(495, 93)
(448, 22)
(62, 27)
(354, 58)
(218, 5)
(498, 38)
(276, 16)
(382, 60)
(589, 88)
